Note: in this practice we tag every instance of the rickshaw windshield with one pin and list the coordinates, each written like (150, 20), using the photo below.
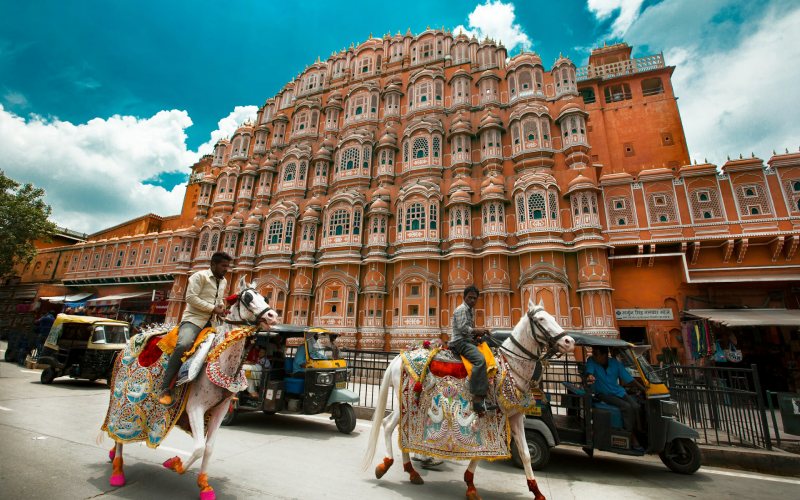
(110, 334)
(648, 371)
(630, 360)
(322, 348)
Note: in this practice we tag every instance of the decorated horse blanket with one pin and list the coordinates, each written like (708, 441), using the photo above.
(134, 413)
(436, 417)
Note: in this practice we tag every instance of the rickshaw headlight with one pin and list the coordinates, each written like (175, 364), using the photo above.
(324, 378)
(669, 409)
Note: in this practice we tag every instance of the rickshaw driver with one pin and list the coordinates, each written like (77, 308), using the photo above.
(204, 298)
(463, 343)
(604, 372)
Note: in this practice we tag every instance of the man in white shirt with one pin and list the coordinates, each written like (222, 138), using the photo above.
(205, 297)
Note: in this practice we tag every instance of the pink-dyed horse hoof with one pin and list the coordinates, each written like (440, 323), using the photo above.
(117, 480)
(208, 495)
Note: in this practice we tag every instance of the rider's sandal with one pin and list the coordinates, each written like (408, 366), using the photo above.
(165, 399)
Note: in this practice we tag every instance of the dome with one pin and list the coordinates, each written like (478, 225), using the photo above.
(461, 184)
(490, 120)
(381, 192)
(310, 213)
(379, 204)
(252, 220)
(460, 125)
(389, 139)
(581, 183)
(460, 197)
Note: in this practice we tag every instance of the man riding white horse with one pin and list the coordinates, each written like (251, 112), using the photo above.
(204, 298)
(464, 340)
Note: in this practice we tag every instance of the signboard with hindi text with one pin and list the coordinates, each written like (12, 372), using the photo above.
(643, 314)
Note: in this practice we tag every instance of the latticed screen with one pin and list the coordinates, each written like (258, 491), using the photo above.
(421, 147)
(289, 172)
(661, 207)
(705, 203)
(349, 159)
(275, 232)
(620, 212)
(752, 200)
(340, 223)
(415, 217)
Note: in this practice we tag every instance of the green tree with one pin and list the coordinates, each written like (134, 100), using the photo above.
(23, 219)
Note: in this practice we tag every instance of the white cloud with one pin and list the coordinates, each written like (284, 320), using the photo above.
(94, 173)
(495, 19)
(734, 79)
(228, 125)
(627, 12)
(16, 99)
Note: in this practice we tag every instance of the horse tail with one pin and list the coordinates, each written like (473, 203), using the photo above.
(378, 416)
(100, 437)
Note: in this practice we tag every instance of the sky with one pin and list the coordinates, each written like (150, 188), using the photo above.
(106, 104)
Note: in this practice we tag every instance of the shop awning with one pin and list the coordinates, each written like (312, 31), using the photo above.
(749, 317)
(111, 300)
(75, 297)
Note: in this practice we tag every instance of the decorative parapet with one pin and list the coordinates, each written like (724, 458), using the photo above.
(621, 68)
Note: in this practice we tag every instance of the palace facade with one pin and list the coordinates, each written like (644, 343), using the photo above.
(378, 184)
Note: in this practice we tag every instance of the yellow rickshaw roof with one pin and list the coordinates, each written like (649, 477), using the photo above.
(88, 320)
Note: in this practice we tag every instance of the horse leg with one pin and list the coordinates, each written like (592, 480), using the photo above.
(412, 473)
(389, 423)
(214, 421)
(196, 420)
(517, 423)
(117, 474)
(469, 476)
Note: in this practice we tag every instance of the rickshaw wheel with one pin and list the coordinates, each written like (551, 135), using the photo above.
(48, 375)
(346, 420)
(9, 356)
(681, 456)
(269, 412)
(538, 449)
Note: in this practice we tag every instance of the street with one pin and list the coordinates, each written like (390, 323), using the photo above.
(49, 450)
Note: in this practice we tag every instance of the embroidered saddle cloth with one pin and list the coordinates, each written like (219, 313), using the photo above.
(436, 417)
(134, 413)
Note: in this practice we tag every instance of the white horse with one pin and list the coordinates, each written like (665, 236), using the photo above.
(206, 398)
(535, 331)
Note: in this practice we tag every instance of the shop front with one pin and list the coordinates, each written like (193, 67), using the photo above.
(768, 338)
(137, 308)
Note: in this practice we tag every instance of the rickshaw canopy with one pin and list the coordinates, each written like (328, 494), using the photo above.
(87, 334)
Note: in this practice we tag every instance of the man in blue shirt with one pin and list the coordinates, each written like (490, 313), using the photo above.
(604, 373)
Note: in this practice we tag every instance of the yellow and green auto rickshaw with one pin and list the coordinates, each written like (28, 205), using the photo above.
(82, 347)
(308, 380)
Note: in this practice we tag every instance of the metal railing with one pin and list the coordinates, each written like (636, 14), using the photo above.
(725, 405)
(366, 372)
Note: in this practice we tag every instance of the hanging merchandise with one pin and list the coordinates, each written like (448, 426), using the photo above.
(719, 354)
(733, 354)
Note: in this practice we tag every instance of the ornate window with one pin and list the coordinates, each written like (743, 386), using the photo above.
(461, 93)
(275, 232)
(343, 226)
(565, 79)
(361, 106)
(537, 209)
(415, 217)
(705, 204)
(584, 209)
(493, 217)
(349, 159)
(574, 130)
(289, 172)
(340, 223)
(753, 200)
(490, 144)
(791, 188)
(425, 150)
(533, 132)
(661, 208)
(488, 90)
(620, 212)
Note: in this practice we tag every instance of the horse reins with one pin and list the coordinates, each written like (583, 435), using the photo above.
(258, 316)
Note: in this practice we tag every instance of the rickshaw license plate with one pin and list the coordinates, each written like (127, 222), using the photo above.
(341, 385)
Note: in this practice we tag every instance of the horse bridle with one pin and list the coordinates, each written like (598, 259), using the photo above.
(239, 300)
(540, 335)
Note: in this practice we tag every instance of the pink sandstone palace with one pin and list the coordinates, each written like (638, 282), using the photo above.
(377, 185)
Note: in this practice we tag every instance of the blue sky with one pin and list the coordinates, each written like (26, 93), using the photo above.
(106, 103)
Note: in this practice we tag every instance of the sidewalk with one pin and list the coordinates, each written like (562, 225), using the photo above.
(776, 462)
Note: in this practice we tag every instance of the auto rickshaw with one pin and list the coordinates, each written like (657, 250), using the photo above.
(82, 347)
(308, 380)
(568, 412)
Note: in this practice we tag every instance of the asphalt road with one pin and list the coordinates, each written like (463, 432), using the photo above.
(48, 450)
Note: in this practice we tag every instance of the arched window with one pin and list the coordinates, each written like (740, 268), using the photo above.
(421, 147)
(340, 223)
(203, 243)
(275, 232)
(214, 242)
(289, 172)
(415, 217)
(349, 159)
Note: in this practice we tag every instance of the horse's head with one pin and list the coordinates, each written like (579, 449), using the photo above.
(547, 331)
(251, 307)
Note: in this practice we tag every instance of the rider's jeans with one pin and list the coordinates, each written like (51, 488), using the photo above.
(187, 333)
(627, 405)
(478, 381)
